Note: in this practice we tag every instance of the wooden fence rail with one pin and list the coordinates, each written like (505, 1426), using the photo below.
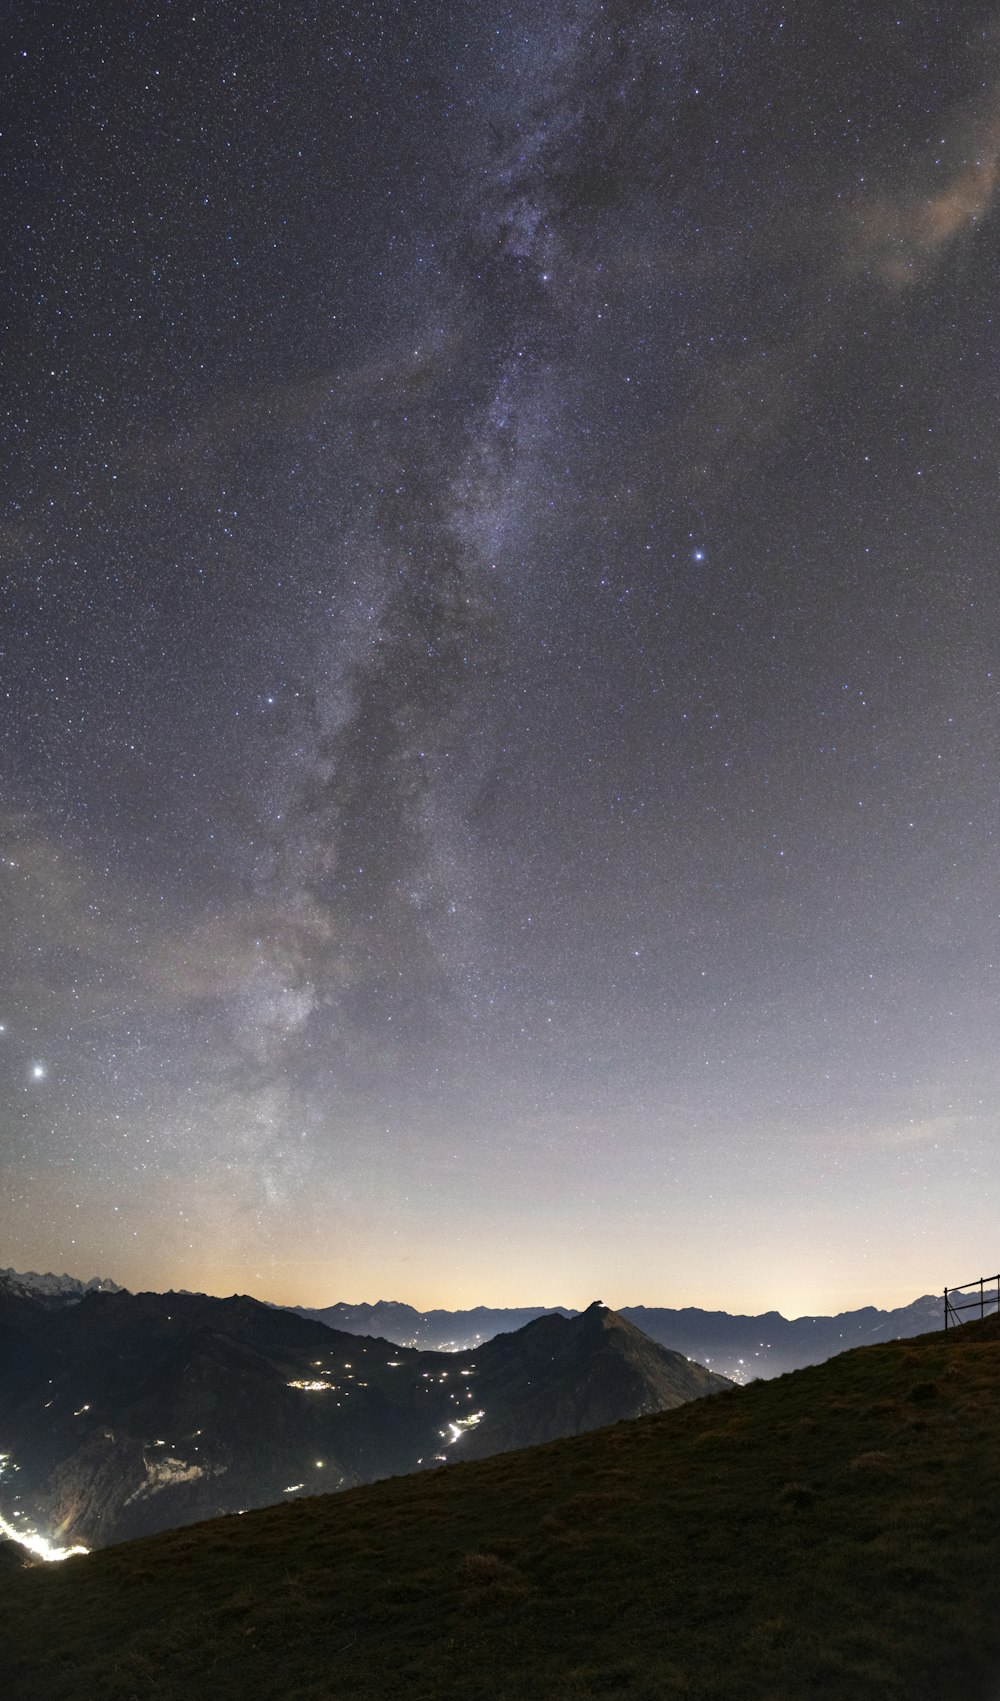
(977, 1296)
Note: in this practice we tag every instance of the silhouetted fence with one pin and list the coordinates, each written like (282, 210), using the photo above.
(976, 1298)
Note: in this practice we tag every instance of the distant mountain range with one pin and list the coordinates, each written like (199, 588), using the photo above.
(831, 1534)
(738, 1347)
(53, 1290)
(123, 1414)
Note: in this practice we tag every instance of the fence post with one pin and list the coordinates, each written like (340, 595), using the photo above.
(982, 1309)
(946, 1308)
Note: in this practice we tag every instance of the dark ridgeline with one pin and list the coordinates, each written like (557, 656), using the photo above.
(52, 1290)
(130, 1413)
(736, 1346)
(831, 1533)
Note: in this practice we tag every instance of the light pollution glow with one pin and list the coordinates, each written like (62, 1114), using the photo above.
(40, 1546)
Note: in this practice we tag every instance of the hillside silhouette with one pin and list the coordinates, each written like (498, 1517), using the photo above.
(126, 1414)
(830, 1534)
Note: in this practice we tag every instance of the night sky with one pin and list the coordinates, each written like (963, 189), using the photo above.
(501, 649)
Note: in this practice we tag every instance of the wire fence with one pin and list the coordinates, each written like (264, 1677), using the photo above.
(970, 1300)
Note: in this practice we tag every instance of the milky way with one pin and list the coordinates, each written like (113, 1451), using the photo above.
(500, 649)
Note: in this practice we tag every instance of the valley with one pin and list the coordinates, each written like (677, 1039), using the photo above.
(124, 1414)
(829, 1534)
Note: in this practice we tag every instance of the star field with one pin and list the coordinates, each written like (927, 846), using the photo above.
(501, 650)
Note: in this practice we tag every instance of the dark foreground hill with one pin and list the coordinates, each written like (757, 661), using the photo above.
(130, 1413)
(832, 1534)
(741, 1347)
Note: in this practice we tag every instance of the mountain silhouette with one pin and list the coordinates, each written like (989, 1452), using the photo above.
(738, 1346)
(130, 1413)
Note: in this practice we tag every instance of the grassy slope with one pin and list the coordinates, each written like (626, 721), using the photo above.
(833, 1534)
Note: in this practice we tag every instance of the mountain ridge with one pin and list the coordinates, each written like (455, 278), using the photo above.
(128, 1413)
(53, 1289)
(612, 1564)
(740, 1346)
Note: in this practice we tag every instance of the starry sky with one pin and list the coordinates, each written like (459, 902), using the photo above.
(501, 649)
